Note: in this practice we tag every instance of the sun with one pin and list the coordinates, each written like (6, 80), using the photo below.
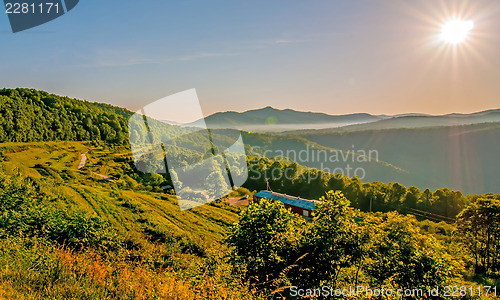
(456, 31)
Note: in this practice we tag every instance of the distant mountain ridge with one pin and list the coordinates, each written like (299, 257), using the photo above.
(459, 157)
(276, 120)
(420, 121)
(269, 118)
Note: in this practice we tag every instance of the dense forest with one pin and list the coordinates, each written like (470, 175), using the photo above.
(28, 115)
(291, 178)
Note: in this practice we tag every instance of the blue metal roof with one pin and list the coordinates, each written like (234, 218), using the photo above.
(290, 200)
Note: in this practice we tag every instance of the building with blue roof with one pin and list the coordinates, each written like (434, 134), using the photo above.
(303, 207)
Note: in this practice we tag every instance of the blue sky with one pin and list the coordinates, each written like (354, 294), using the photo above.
(331, 56)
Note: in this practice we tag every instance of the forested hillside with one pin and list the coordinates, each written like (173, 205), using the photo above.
(28, 115)
(457, 157)
(431, 158)
(65, 233)
(68, 233)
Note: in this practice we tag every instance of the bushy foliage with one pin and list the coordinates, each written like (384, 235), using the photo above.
(36, 269)
(339, 247)
(399, 254)
(332, 242)
(27, 212)
(479, 229)
(265, 242)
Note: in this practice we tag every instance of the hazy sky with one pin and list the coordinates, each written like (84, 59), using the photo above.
(380, 57)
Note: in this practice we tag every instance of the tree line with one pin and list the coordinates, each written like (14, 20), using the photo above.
(289, 177)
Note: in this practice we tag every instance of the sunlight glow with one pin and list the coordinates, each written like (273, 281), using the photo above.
(456, 31)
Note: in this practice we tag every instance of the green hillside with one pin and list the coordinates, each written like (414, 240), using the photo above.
(28, 115)
(54, 166)
(143, 234)
(67, 233)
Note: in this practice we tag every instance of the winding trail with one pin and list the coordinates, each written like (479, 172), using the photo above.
(104, 177)
(83, 160)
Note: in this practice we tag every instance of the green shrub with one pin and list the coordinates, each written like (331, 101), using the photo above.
(25, 211)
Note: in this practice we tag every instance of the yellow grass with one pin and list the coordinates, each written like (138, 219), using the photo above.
(49, 272)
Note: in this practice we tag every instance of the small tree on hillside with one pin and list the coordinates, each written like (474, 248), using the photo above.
(331, 243)
(398, 254)
(479, 228)
(265, 242)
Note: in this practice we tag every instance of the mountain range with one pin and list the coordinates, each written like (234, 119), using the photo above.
(418, 121)
(269, 119)
(272, 119)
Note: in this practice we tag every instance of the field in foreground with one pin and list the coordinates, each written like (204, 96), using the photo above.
(72, 235)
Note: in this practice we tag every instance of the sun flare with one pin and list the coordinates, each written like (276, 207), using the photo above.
(456, 31)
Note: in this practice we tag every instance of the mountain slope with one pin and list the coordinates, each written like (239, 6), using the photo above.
(152, 248)
(459, 157)
(54, 166)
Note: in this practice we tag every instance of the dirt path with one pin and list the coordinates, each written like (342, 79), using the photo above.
(237, 201)
(83, 160)
(104, 177)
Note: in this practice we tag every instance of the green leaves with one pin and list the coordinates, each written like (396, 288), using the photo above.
(479, 229)
(276, 247)
(30, 115)
(26, 212)
(331, 242)
(397, 253)
(265, 240)
(339, 247)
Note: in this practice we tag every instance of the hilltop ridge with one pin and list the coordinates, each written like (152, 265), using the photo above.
(270, 118)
